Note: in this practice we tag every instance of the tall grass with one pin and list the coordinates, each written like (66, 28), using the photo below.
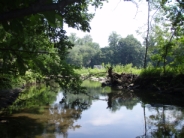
(103, 72)
(90, 71)
(128, 68)
(148, 72)
(157, 72)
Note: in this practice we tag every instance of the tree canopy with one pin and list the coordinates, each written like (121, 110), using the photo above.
(73, 12)
(32, 38)
(83, 51)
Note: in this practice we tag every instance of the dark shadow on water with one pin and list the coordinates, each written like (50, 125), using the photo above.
(23, 127)
(149, 97)
(31, 115)
(166, 114)
(53, 120)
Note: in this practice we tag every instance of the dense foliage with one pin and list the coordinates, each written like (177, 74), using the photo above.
(87, 53)
(85, 49)
(32, 38)
(166, 35)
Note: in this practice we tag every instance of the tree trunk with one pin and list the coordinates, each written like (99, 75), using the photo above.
(147, 36)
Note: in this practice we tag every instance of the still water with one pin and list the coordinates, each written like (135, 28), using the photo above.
(102, 113)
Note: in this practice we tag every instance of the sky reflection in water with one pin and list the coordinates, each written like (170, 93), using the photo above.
(98, 122)
(77, 117)
(80, 118)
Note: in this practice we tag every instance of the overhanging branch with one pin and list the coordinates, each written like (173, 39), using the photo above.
(34, 9)
(25, 51)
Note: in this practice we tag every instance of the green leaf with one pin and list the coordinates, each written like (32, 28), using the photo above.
(5, 26)
(15, 26)
(35, 18)
(60, 19)
(51, 18)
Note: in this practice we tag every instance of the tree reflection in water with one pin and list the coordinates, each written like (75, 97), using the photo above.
(33, 117)
(165, 115)
(117, 99)
(162, 120)
(69, 110)
(165, 121)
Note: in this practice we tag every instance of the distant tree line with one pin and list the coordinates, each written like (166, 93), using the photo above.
(165, 49)
(120, 50)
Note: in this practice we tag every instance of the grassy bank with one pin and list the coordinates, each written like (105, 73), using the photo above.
(157, 79)
(159, 72)
(10, 81)
(103, 72)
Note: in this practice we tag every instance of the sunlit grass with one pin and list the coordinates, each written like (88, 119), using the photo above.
(92, 84)
(103, 72)
(158, 72)
(126, 69)
(148, 72)
(90, 71)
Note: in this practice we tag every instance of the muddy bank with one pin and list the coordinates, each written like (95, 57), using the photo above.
(165, 90)
(156, 98)
(163, 84)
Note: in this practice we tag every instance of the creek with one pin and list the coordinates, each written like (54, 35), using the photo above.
(42, 112)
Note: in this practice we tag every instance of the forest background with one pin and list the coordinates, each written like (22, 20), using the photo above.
(33, 44)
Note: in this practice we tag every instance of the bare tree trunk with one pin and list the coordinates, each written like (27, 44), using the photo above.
(110, 75)
(166, 49)
(147, 36)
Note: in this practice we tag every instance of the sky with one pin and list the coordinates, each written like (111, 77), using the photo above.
(123, 17)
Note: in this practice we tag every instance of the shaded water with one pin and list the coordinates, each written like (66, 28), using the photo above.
(41, 113)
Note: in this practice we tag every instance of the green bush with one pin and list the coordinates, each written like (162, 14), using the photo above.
(157, 72)
(128, 68)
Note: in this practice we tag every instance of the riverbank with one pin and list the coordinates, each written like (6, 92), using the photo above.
(163, 84)
(167, 84)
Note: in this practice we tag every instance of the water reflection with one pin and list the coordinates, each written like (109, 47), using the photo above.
(117, 99)
(164, 120)
(40, 113)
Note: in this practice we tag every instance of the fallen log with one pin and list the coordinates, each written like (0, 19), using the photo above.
(120, 80)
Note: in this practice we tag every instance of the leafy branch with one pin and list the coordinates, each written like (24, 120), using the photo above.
(41, 52)
(37, 8)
